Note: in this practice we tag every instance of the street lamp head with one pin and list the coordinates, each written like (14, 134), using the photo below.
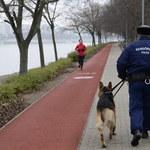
(143, 30)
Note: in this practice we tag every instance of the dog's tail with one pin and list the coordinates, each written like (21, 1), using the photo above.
(108, 117)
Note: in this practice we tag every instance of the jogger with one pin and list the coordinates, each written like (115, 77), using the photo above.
(81, 54)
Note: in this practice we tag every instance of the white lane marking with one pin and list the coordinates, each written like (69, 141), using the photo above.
(88, 73)
(83, 77)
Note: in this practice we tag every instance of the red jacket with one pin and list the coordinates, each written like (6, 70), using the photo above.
(80, 47)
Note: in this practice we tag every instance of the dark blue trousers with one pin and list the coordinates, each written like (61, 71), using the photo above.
(139, 106)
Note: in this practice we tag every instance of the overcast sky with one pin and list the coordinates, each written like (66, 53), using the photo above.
(60, 8)
(103, 1)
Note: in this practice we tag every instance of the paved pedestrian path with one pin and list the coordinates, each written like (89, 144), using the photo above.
(90, 139)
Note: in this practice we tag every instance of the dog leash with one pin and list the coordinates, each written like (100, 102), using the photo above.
(118, 88)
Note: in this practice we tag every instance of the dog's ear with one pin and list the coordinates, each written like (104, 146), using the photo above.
(100, 85)
(109, 85)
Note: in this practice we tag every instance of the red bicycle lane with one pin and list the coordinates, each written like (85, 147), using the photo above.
(57, 120)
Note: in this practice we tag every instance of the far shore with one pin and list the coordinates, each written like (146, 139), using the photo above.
(45, 41)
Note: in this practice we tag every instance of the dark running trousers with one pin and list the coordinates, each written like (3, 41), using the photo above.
(80, 60)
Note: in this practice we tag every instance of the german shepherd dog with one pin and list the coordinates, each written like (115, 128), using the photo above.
(106, 112)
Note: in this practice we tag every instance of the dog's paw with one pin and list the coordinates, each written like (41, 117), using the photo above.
(104, 146)
(110, 135)
(114, 133)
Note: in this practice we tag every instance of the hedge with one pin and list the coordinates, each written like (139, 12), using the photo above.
(34, 79)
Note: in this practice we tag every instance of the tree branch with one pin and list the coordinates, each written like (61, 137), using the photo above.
(36, 19)
(10, 18)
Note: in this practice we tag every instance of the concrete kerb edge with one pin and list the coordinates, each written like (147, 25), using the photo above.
(83, 133)
(95, 97)
(41, 97)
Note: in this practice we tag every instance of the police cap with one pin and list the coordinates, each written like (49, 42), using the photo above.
(144, 29)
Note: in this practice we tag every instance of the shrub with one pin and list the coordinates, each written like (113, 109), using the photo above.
(90, 49)
(32, 80)
(7, 92)
(73, 56)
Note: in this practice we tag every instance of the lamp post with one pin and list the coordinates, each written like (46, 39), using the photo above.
(142, 12)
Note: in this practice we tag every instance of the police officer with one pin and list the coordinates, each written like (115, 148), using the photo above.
(134, 64)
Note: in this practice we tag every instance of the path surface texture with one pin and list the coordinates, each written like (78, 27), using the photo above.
(57, 120)
(90, 139)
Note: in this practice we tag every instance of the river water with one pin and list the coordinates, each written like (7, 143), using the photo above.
(10, 59)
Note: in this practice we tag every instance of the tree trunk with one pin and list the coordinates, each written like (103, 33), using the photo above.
(54, 43)
(80, 36)
(23, 47)
(99, 40)
(40, 48)
(105, 39)
(93, 39)
(99, 37)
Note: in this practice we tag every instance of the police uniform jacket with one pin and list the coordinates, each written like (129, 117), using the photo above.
(135, 58)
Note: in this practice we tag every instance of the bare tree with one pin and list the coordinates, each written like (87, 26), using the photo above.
(83, 18)
(124, 16)
(87, 16)
(13, 9)
(73, 24)
(99, 27)
(99, 34)
(72, 21)
(29, 8)
(50, 16)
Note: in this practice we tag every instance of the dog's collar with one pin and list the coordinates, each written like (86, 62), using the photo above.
(107, 92)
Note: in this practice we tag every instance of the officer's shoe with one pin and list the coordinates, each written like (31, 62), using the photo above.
(136, 138)
(145, 134)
